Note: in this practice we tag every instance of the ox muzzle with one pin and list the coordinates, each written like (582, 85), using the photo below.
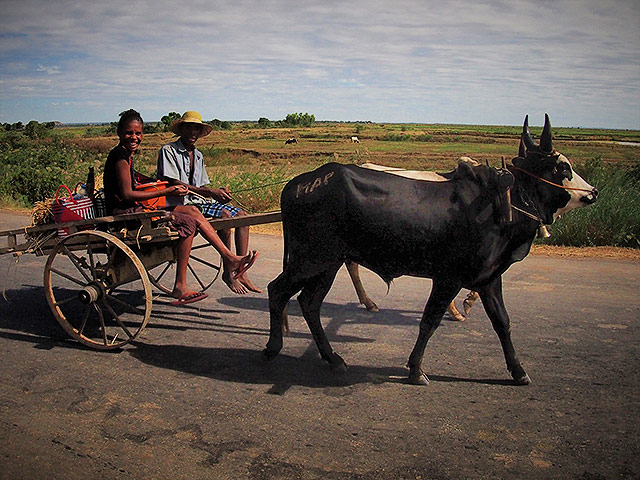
(590, 198)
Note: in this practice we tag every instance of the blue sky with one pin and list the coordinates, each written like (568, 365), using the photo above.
(488, 62)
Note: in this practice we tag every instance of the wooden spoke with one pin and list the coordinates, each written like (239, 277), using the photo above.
(90, 308)
(76, 262)
(118, 321)
(130, 308)
(203, 271)
(68, 277)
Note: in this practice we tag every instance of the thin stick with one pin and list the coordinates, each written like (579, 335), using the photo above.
(198, 195)
(232, 198)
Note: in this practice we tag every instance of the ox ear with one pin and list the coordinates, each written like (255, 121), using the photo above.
(546, 143)
(522, 150)
(529, 143)
(464, 170)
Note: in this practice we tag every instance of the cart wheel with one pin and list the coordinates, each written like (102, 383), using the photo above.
(98, 289)
(204, 268)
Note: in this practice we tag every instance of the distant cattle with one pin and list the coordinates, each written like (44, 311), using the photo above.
(355, 140)
(462, 233)
(291, 140)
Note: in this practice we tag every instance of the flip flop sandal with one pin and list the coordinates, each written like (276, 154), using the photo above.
(191, 297)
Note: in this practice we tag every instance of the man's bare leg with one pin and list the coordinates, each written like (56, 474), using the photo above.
(241, 235)
(231, 262)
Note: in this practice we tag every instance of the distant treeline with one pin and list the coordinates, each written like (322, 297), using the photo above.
(32, 128)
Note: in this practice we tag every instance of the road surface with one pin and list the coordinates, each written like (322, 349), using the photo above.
(193, 398)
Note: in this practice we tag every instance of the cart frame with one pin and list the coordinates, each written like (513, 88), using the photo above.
(98, 278)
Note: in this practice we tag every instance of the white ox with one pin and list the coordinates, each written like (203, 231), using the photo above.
(355, 140)
(353, 268)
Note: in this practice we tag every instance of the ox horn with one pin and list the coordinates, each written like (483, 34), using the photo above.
(546, 143)
(529, 143)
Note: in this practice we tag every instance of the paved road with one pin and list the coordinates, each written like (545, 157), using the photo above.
(193, 398)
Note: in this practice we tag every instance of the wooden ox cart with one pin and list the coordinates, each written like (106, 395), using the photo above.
(98, 279)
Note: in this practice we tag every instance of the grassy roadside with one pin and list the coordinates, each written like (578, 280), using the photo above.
(255, 162)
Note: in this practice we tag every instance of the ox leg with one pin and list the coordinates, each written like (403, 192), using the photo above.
(310, 300)
(441, 297)
(453, 311)
(363, 298)
(493, 302)
(281, 289)
(469, 301)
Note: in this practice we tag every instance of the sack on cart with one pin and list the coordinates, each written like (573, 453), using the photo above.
(71, 209)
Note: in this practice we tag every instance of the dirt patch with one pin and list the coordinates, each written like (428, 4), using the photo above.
(586, 252)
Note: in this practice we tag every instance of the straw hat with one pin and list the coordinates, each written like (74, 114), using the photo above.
(191, 117)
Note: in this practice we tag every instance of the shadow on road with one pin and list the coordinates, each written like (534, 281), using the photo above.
(26, 317)
(238, 365)
(347, 312)
(26, 310)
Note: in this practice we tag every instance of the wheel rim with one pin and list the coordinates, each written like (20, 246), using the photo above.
(201, 271)
(98, 289)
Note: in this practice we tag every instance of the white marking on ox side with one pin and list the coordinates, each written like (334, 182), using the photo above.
(414, 174)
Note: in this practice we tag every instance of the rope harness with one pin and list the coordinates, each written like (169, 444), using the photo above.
(549, 182)
(542, 229)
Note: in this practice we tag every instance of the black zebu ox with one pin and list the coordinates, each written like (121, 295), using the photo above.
(456, 232)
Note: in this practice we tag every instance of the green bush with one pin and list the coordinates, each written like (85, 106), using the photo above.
(32, 171)
(220, 124)
(298, 120)
(394, 137)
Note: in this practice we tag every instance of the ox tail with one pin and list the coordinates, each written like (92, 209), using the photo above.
(285, 253)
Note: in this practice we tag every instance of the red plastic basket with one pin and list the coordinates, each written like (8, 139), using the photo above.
(71, 209)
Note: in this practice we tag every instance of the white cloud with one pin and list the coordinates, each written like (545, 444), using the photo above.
(50, 70)
(459, 61)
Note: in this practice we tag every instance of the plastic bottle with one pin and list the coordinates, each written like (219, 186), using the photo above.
(81, 192)
(90, 185)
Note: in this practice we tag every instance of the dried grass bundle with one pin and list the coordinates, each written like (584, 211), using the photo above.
(42, 213)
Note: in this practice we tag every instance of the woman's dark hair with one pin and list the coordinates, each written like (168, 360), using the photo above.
(126, 117)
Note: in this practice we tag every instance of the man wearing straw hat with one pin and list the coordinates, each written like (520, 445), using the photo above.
(180, 162)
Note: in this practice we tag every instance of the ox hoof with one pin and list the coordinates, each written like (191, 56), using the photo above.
(339, 368)
(418, 378)
(337, 364)
(523, 380)
(268, 355)
(371, 307)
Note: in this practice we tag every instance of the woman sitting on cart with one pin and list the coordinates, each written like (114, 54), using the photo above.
(121, 197)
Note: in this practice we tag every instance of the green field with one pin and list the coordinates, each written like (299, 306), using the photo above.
(254, 162)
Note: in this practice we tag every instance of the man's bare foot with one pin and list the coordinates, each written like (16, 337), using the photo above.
(245, 264)
(180, 292)
(248, 283)
(234, 284)
(238, 267)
